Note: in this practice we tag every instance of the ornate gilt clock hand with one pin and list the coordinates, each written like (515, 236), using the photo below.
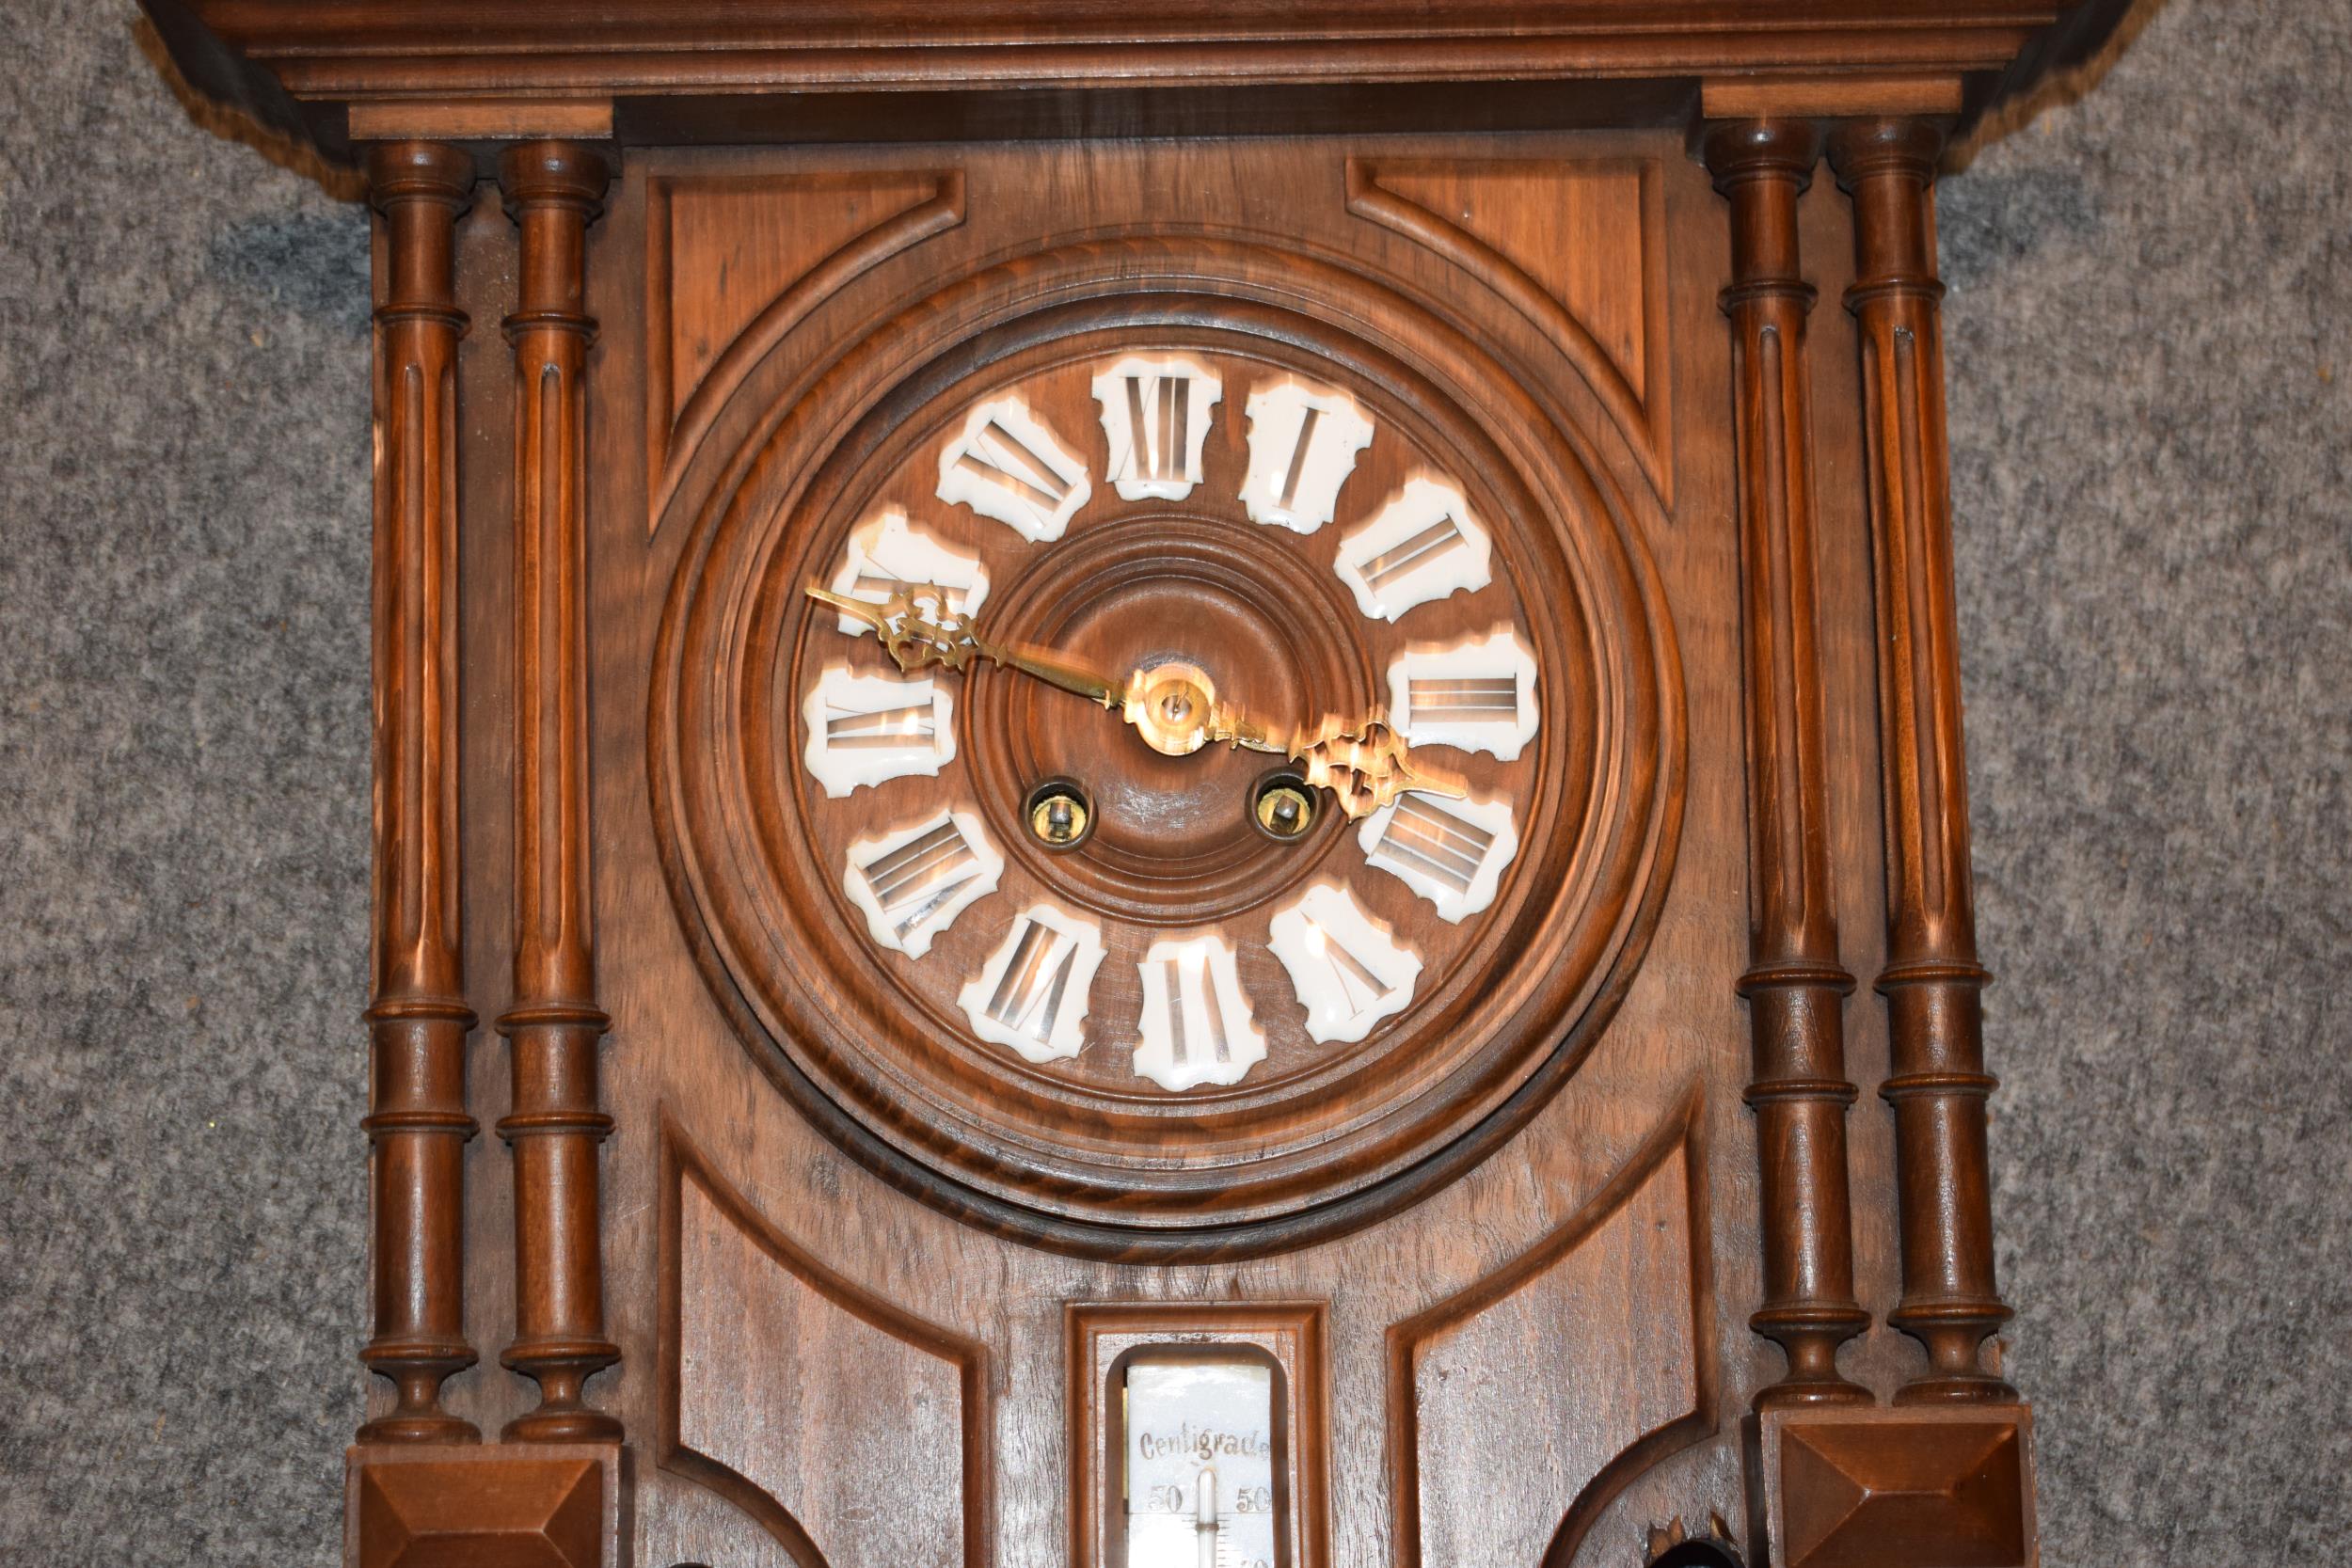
(1367, 764)
(1174, 707)
(917, 629)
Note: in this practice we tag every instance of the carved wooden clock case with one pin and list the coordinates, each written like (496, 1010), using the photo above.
(1141, 769)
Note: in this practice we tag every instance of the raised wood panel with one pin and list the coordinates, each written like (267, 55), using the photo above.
(852, 1432)
(1518, 1415)
(1578, 248)
(735, 262)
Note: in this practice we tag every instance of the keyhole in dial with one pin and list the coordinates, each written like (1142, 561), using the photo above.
(1060, 814)
(1282, 805)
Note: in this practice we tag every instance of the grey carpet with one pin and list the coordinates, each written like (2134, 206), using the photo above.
(2152, 292)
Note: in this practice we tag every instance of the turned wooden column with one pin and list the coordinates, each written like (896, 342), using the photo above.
(1932, 982)
(416, 1121)
(1795, 986)
(553, 190)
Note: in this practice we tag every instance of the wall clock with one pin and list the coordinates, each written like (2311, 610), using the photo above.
(1167, 792)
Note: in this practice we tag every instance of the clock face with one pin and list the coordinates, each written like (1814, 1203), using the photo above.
(1049, 890)
(1000, 885)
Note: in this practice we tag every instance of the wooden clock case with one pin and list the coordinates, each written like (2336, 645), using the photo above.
(1707, 1276)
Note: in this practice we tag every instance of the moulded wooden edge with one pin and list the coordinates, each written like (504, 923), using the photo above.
(1927, 1488)
(1644, 419)
(481, 119)
(682, 1161)
(520, 1505)
(674, 434)
(1303, 1328)
(1677, 1131)
(265, 55)
(1828, 97)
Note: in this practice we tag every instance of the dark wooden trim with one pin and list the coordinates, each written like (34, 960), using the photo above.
(735, 71)
(419, 1017)
(1954, 1487)
(461, 1508)
(1795, 985)
(553, 190)
(1933, 980)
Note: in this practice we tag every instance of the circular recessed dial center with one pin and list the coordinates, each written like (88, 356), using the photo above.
(1189, 604)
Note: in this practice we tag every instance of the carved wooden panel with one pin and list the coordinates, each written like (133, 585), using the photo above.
(861, 1442)
(1578, 249)
(734, 262)
(1516, 1418)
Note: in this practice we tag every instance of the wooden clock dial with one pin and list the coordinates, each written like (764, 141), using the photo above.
(1183, 1025)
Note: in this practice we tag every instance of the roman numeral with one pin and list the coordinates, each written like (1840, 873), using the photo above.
(1303, 443)
(1427, 838)
(1424, 549)
(1477, 701)
(1196, 1023)
(1423, 546)
(890, 729)
(867, 730)
(914, 883)
(1478, 694)
(1451, 852)
(1155, 416)
(999, 458)
(1031, 995)
(1347, 969)
(1158, 440)
(1006, 465)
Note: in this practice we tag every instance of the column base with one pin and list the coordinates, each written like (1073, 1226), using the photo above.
(1927, 1488)
(520, 1505)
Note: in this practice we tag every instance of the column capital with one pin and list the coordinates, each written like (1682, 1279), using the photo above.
(1910, 147)
(1734, 150)
(554, 173)
(418, 172)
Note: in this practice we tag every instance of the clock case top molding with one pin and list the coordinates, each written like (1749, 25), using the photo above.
(331, 75)
(1725, 1250)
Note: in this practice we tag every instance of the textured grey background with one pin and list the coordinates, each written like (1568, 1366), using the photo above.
(2149, 425)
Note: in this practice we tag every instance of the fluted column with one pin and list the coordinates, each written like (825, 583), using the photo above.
(1795, 985)
(1933, 981)
(419, 1020)
(553, 190)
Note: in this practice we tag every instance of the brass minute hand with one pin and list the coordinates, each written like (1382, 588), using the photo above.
(1173, 706)
(917, 629)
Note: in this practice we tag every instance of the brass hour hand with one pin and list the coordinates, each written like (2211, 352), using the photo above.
(1367, 765)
